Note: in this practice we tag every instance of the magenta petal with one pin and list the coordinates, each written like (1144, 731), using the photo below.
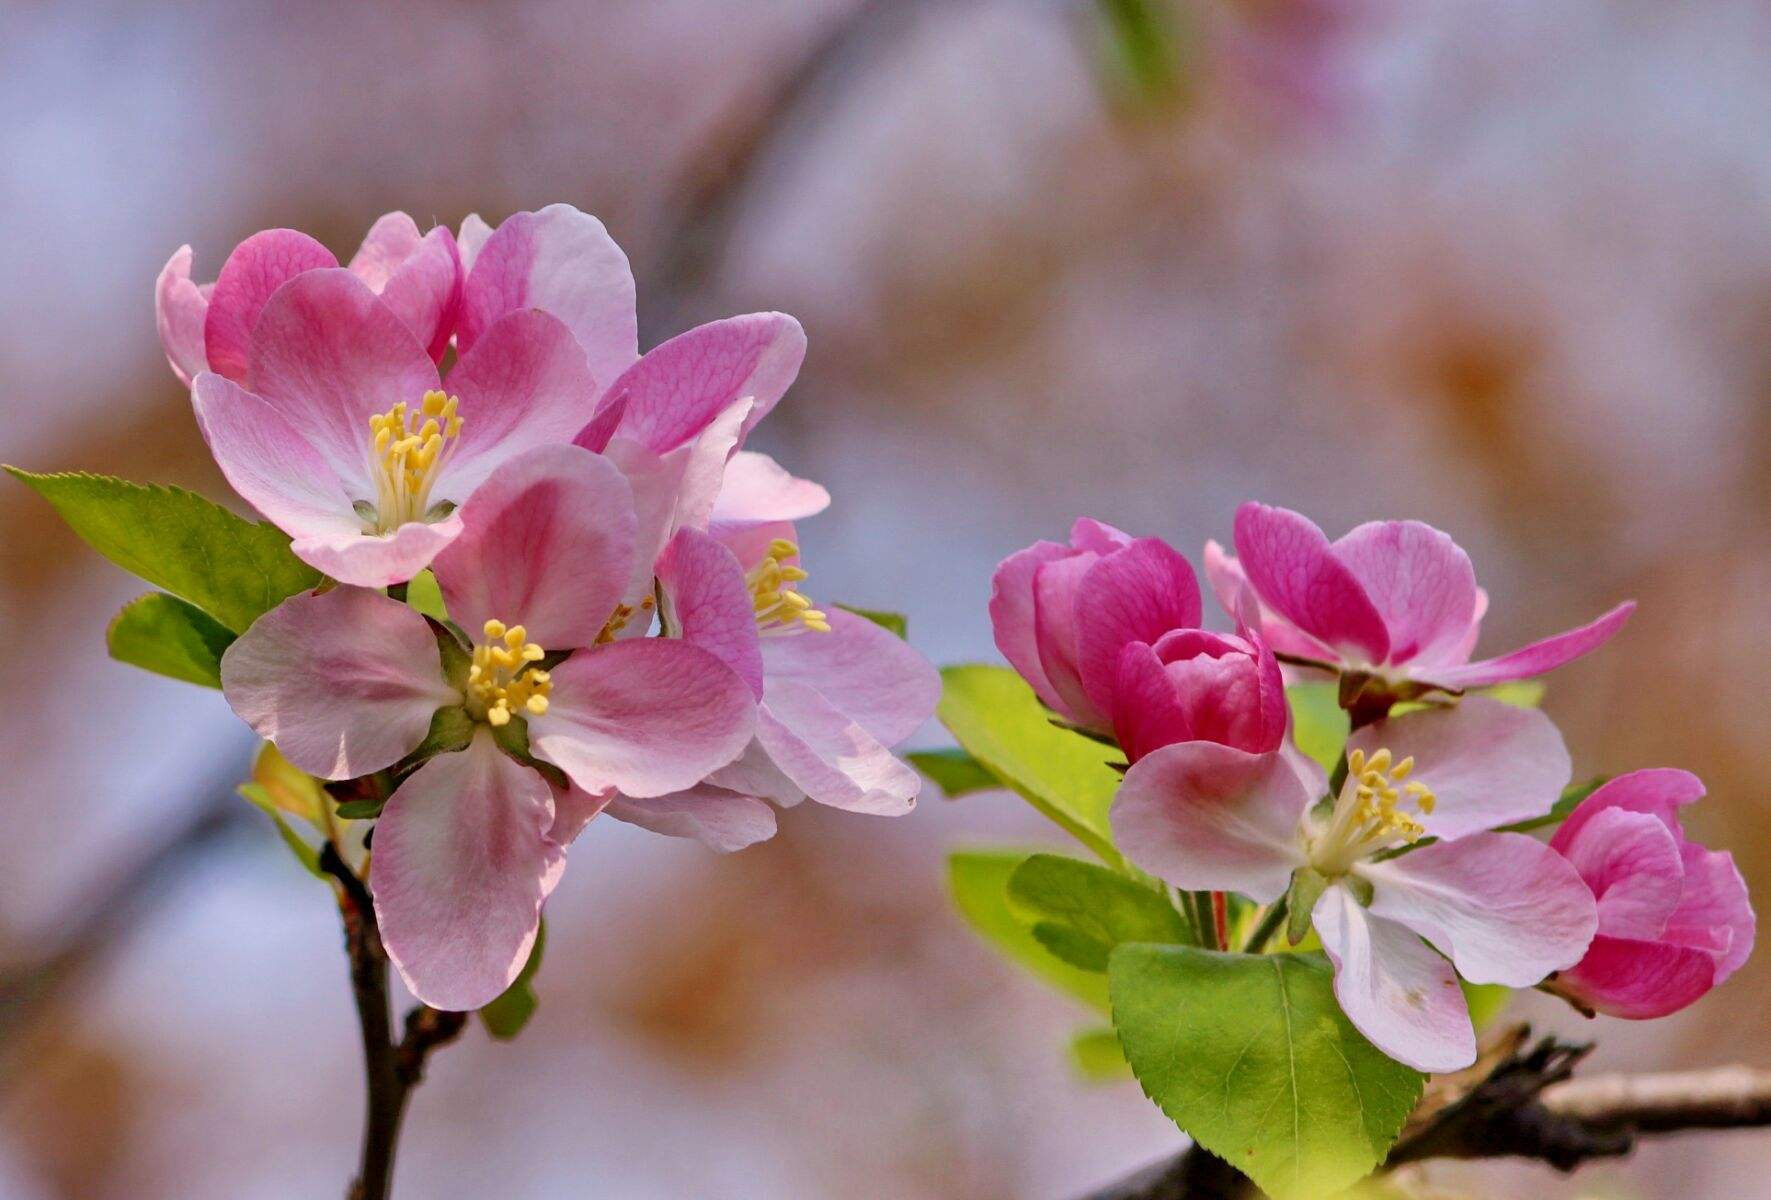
(680, 386)
(1147, 711)
(1394, 990)
(758, 489)
(1012, 613)
(1536, 658)
(1097, 537)
(1233, 592)
(462, 863)
(1488, 763)
(1633, 866)
(1204, 816)
(648, 717)
(424, 290)
(269, 463)
(1421, 582)
(258, 266)
(180, 308)
(547, 543)
(828, 755)
(523, 385)
(328, 355)
(377, 560)
(718, 819)
(709, 603)
(565, 263)
(869, 674)
(1296, 572)
(1714, 913)
(1505, 907)
(344, 682)
(1056, 633)
(1136, 594)
(1639, 980)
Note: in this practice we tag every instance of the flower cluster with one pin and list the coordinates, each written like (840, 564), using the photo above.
(622, 627)
(1406, 864)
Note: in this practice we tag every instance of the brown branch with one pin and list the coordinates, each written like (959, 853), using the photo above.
(390, 1069)
(1515, 1103)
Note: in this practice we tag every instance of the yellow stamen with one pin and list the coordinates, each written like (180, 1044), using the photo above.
(408, 451)
(501, 680)
(1379, 808)
(779, 608)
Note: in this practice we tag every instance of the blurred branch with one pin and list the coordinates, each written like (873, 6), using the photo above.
(1521, 1103)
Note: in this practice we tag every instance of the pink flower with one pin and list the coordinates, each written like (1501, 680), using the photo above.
(834, 691)
(209, 327)
(346, 683)
(1674, 918)
(1502, 907)
(1395, 601)
(1063, 614)
(1196, 685)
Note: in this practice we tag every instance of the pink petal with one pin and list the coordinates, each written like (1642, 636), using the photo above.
(1538, 657)
(547, 543)
(709, 603)
(418, 278)
(601, 428)
(868, 674)
(462, 864)
(657, 482)
(1296, 572)
(829, 756)
(1639, 980)
(704, 466)
(1632, 864)
(523, 385)
(573, 809)
(472, 238)
(328, 355)
(271, 465)
(718, 819)
(1714, 913)
(344, 682)
(1228, 584)
(377, 560)
(1057, 635)
(753, 773)
(1097, 537)
(756, 488)
(180, 308)
(565, 263)
(1488, 763)
(1394, 990)
(1505, 907)
(1658, 791)
(1421, 582)
(258, 266)
(1147, 711)
(1012, 614)
(679, 387)
(648, 717)
(1136, 594)
(1208, 817)
(389, 243)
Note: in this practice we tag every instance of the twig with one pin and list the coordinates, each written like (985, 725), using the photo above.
(1517, 1103)
(390, 1069)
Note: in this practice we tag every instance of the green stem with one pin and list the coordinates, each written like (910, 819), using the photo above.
(1263, 933)
(1204, 921)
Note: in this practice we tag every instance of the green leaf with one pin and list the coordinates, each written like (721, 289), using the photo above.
(426, 595)
(450, 729)
(895, 622)
(1318, 722)
(233, 569)
(1571, 797)
(1096, 1055)
(1080, 911)
(505, 1017)
(360, 810)
(979, 880)
(954, 771)
(306, 855)
(1251, 1055)
(1486, 1002)
(996, 717)
(1307, 886)
(1520, 693)
(163, 634)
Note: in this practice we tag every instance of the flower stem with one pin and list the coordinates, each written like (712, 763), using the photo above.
(1263, 933)
(1204, 924)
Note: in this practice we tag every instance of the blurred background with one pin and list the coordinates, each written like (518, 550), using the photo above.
(1500, 265)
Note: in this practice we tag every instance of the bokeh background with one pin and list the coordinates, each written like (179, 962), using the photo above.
(1501, 265)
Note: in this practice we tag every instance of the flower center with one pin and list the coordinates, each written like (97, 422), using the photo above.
(503, 678)
(1372, 812)
(408, 450)
(779, 608)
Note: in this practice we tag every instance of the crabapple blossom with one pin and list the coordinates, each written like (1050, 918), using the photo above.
(1674, 918)
(1193, 685)
(1501, 907)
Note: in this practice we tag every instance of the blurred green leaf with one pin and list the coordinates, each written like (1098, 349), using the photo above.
(995, 716)
(1486, 1001)
(1080, 911)
(1142, 48)
(505, 1017)
(1251, 1056)
(424, 594)
(360, 810)
(955, 772)
(306, 855)
(1318, 723)
(233, 569)
(163, 634)
(979, 881)
(1096, 1055)
(895, 622)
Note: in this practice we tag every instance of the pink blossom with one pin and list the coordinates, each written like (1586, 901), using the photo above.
(209, 327)
(1674, 918)
(1194, 685)
(1063, 614)
(1394, 601)
(1502, 907)
(346, 683)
